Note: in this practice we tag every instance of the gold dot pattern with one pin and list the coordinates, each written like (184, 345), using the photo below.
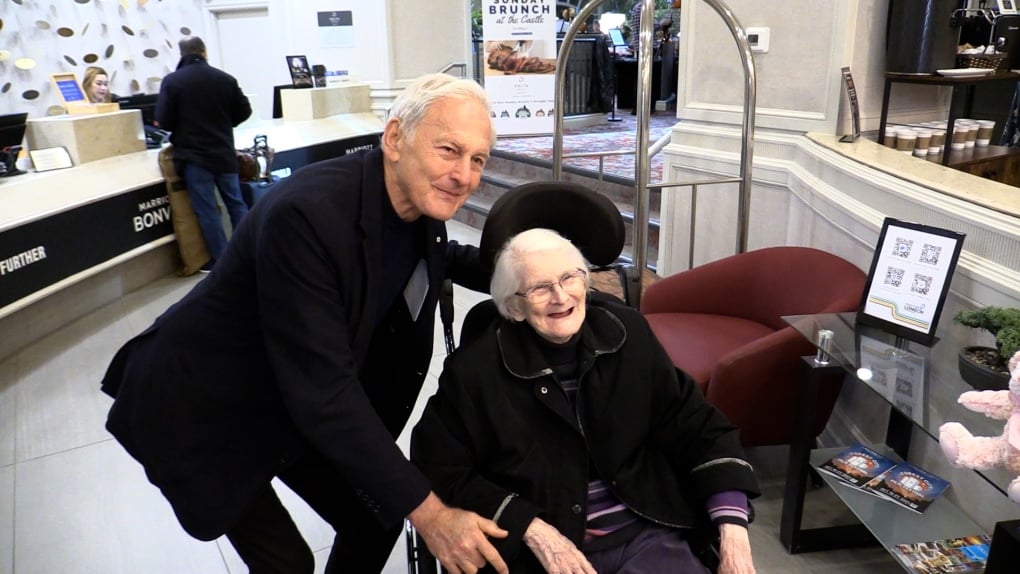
(138, 35)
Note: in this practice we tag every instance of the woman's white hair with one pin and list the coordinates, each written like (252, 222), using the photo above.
(414, 102)
(508, 275)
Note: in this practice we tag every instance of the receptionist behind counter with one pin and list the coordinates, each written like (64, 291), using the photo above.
(96, 84)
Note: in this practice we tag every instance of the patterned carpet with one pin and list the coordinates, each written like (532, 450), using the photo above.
(607, 136)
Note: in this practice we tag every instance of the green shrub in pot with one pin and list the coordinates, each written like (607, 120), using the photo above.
(991, 364)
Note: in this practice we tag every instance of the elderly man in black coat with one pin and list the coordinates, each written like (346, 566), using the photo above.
(301, 355)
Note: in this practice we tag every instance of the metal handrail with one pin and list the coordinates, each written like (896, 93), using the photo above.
(641, 163)
(452, 65)
(747, 131)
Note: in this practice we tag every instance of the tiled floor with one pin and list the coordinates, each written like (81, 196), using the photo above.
(72, 501)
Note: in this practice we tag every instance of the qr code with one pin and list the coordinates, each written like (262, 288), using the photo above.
(922, 284)
(905, 408)
(893, 277)
(904, 386)
(930, 254)
(902, 247)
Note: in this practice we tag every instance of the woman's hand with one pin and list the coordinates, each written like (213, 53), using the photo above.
(557, 554)
(734, 550)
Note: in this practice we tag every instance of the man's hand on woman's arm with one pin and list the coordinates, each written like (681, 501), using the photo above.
(557, 554)
(457, 538)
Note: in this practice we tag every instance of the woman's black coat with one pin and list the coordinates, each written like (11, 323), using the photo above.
(500, 437)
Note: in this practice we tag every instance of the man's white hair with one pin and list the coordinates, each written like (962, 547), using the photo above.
(414, 102)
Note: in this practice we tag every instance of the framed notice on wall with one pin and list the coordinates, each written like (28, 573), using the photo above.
(909, 279)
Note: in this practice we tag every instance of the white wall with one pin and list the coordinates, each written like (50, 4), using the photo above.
(117, 34)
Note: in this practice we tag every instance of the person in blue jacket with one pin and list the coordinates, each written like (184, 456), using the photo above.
(301, 355)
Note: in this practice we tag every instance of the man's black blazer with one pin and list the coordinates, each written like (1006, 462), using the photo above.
(283, 347)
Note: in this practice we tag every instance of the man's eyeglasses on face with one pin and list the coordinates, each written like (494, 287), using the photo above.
(542, 292)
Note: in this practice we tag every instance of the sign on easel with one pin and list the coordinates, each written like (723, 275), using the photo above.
(520, 65)
(909, 279)
(855, 108)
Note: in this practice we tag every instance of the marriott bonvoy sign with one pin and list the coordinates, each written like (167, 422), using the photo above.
(41, 253)
(520, 64)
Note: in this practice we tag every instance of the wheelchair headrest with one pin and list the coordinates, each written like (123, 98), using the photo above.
(589, 220)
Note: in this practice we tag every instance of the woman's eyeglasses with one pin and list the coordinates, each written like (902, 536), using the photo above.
(542, 292)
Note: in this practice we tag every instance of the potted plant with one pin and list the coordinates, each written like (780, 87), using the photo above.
(986, 368)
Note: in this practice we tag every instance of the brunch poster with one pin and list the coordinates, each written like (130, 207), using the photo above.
(520, 64)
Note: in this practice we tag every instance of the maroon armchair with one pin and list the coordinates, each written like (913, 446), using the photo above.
(721, 323)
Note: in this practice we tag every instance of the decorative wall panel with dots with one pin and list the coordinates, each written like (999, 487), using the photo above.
(135, 41)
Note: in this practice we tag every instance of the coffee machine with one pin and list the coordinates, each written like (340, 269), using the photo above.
(1007, 38)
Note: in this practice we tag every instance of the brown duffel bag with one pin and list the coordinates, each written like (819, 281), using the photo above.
(189, 236)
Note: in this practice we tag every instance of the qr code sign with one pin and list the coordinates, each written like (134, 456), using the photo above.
(922, 284)
(902, 247)
(930, 254)
(893, 277)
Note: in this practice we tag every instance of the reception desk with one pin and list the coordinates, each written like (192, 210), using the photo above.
(61, 228)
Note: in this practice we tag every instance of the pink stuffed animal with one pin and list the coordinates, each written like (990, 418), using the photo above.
(986, 452)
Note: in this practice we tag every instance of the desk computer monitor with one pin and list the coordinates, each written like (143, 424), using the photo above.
(144, 102)
(12, 132)
(616, 35)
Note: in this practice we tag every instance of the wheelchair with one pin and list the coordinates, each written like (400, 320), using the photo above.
(594, 224)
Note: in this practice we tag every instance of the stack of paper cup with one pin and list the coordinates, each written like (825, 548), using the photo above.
(938, 139)
(923, 141)
(906, 139)
(890, 136)
(984, 132)
(972, 128)
(960, 130)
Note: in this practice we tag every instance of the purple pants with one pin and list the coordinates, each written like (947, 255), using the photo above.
(654, 549)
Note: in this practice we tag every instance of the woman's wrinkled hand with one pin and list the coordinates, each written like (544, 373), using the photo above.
(557, 554)
(734, 550)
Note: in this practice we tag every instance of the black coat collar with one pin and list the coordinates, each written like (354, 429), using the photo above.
(601, 333)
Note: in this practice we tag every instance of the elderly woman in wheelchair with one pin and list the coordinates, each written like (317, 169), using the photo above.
(567, 424)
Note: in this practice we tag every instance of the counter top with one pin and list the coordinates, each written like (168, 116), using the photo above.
(961, 185)
(33, 196)
(288, 134)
